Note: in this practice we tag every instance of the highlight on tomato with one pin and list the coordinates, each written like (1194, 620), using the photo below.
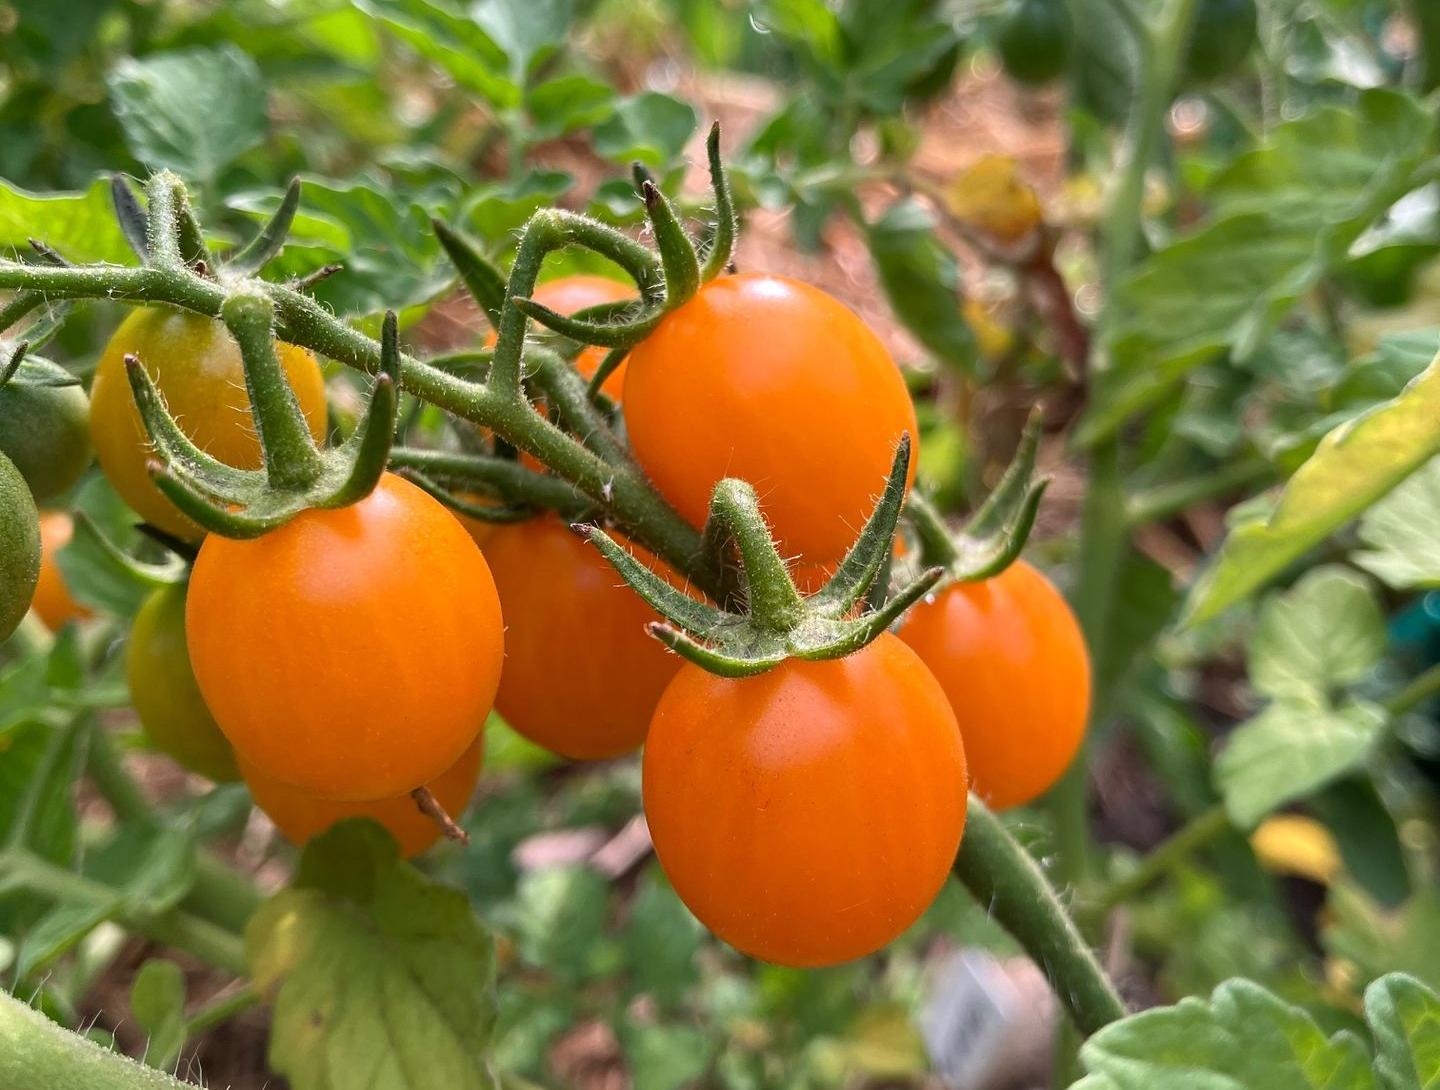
(1012, 661)
(300, 816)
(196, 364)
(581, 677)
(53, 602)
(810, 814)
(165, 694)
(19, 547)
(353, 653)
(775, 382)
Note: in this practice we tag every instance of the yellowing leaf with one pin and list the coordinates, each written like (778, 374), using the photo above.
(991, 197)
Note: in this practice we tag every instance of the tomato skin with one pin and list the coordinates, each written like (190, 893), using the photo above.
(300, 816)
(771, 380)
(19, 547)
(164, 692)
(810, 814)
(1035, 39)
(571, 294)
(197, 366)
(582, 677)
(1010, 656)
(45, 431)
(53, 603)
(352, 653)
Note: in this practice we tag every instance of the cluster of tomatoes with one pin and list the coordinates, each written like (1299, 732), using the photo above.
(807, 814)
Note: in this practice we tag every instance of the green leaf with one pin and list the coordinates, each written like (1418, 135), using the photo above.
(81, 226)
(529, 31)
(1325, 631)
(1290, 749)
(194, 111)
(1404, 1015)
(56, 932)
(94, 573)
(456, 44)
(649, 127)
(153, 866)
(1285, 214)
(562, 105)
(1402, 533)
(664, 1057)
(157, 1000)
(381, 977)
(922, 281)
(1355, 464)
(1375, 940)
(1246, 1037)
(561, 918)
(660, 941)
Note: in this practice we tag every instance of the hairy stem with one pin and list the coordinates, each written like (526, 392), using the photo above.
(1006, 881)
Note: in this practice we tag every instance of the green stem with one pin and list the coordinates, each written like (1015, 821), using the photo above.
(221, 894)
(221, 1010)
(774, 603)
(1006, 880)
(39, 1055)
(116, 786)
(1419, 690)
(1159, 503)
(1179, 847)
(211, 944)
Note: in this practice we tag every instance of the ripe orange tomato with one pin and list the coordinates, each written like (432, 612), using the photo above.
(1010, 656)
(810, 814)
(197, 366)
(774, 381)
(300, 816)
(164, 693)
(571, 294)
(581, 675)
(52, 602)
(352, 653)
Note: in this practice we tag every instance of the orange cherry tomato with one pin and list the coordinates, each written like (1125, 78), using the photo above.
(1010, 656)
(352, 653)
(52, 602)
(571, 294)
(197, 366)
(810, 814)
(582, 677)
(773, 381)
(300, 816)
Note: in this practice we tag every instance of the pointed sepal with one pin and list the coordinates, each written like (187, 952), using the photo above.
(269, 240)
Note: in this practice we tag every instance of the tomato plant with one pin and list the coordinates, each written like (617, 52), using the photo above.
(21, 555)
(397, 614)
(1012, 661)
(775, 382)
(581, 676)
(196, 365)
(301, 816)
(165, 693)
(735, 507)
(781, 832)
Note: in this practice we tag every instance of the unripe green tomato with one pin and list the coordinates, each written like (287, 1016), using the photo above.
(1034, 40)
(19, 547)
(1221, 35)
(45, 431)
(165, 694)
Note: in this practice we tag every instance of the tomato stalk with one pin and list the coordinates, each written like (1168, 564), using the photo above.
(775, 622)
(1005, 879)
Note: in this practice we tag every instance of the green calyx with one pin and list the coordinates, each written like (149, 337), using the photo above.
(993, 537)
(683, 269)
(297, 475)
(774, 622)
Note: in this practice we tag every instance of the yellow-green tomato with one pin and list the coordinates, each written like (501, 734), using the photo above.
(197, 366)
(164, 692)
(19, 547)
